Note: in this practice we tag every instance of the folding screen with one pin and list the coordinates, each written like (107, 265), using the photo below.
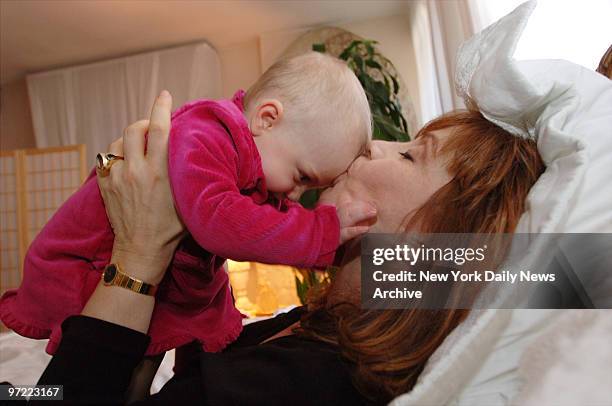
(35, 182)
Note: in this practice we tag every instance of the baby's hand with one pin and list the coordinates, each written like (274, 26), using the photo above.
(353, 216)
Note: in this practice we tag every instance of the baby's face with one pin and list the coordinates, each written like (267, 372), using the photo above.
(293, 163)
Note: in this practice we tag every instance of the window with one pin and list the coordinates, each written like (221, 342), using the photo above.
(558, 29)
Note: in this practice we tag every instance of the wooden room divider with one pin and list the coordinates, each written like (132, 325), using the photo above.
(34, 183)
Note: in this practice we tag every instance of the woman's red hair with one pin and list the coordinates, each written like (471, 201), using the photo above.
(492, 172)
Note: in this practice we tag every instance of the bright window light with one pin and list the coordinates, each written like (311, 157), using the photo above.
(578, 31)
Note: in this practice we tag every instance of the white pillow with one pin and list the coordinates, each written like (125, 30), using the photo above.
(574, 195)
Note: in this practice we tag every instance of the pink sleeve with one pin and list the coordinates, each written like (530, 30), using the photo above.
(203, 174)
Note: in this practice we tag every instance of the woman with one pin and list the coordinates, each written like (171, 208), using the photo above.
(460, 174)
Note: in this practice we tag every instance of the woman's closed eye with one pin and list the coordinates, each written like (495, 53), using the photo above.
(304, 179)
(407, 155)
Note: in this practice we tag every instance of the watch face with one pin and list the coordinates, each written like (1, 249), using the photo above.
(109, 273)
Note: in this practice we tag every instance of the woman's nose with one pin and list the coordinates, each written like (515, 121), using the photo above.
(379, 149)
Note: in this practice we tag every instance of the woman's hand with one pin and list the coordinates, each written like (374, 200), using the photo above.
(138, 199)
(141, 211)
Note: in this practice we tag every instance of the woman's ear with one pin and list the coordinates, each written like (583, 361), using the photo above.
(268, 114)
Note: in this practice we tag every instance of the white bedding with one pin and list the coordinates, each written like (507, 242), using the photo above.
(22, 360)
(497, 381)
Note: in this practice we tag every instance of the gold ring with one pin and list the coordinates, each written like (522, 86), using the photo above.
(104, 161)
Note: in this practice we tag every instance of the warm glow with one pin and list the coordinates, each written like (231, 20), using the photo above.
(262, 289)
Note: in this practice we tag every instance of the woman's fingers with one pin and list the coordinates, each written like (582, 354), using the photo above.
(355, 212)
(116, 147)
(134, 141)
(349, 233)
(355, 218)
(159, 130)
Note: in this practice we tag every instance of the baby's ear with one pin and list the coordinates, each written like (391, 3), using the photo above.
(268, 114)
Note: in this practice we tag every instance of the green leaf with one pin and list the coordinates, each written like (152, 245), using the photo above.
(344, 55)
(381, 91)
(312, 278)
(388, 120)
(387, 83)
(395, 117)
(359, 62)
(389, 129)
(301, 289)
(353, 44)
(373, 64)
(369, 48)
(395, 84)
(377, 133)
(319, 47)
(404, 126)
(309, 198)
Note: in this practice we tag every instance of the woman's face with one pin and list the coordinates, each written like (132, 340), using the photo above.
(397, 178)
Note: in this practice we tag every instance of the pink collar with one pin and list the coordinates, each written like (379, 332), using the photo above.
(258, 189)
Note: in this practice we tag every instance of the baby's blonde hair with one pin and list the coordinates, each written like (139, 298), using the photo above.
(315, 84)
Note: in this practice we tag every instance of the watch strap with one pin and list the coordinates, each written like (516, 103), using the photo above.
(113, 275)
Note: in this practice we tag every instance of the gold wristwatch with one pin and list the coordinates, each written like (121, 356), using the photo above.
(114, 276)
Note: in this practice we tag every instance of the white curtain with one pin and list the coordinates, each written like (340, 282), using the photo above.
(437, 30)
(92, 104)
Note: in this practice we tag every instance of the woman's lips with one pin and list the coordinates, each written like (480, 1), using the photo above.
(340, 178)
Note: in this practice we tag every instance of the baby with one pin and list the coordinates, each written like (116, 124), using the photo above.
(234, 166)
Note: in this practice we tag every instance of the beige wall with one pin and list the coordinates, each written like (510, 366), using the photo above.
(240, 66)
(16, 129)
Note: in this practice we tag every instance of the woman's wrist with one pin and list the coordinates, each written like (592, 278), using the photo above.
(148, 267)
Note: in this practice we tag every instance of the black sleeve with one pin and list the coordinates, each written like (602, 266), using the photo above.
(95, 360)
(285, 371)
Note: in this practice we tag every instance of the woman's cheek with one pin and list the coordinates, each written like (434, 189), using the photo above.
(329, 196)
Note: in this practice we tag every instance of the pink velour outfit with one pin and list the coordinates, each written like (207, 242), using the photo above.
(219, 190)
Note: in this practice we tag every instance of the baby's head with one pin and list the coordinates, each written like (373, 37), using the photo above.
(310, 119)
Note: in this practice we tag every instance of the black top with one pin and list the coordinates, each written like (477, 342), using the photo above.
(96, 358)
